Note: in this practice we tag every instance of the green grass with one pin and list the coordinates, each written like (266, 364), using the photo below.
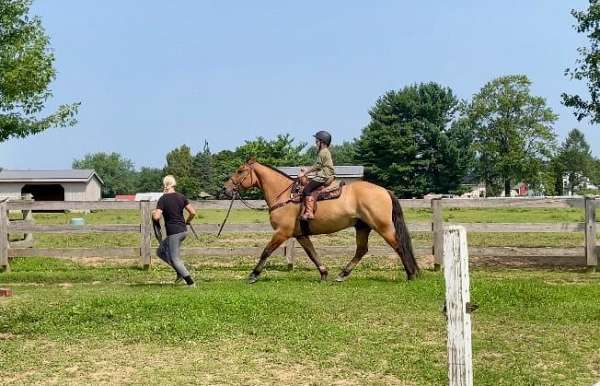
(72, 323)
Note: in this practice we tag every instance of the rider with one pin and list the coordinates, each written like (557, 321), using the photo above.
(170, 206)
(324, 172)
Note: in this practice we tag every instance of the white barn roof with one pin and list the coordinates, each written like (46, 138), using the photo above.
(340, 171)
(40, 176)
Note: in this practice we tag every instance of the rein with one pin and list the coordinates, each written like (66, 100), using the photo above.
(227, 215)
(237, 195)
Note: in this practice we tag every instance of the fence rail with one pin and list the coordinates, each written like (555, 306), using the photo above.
(587, 255)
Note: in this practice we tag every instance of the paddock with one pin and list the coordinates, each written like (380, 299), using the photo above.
(93, 314)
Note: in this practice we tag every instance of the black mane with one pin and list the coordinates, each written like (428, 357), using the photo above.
(278, 171)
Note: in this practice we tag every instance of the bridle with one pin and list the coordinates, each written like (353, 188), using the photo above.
(237, 187)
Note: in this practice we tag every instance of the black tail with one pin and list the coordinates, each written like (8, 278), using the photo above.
(404, 247)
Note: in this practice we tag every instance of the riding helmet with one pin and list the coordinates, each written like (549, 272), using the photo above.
(324, 137)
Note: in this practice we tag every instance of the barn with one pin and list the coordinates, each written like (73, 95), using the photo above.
(51, 185)
(342, 173)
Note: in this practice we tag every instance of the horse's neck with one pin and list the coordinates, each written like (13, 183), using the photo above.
(272, 183)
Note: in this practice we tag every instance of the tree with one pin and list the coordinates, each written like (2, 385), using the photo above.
(574, 159)
(513, 134)
(26, 71)
(413, 145)
(116, 171)
(203, 170)
(149, 180)
(588, 22)
(343, 154)
(281, 151)
(180, 165)
(595, 171)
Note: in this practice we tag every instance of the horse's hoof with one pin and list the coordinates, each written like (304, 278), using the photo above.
(341, 278)
(323, 276)
(252, 278)
(412, 277)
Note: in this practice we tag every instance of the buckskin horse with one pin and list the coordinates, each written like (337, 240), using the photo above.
(363, 205)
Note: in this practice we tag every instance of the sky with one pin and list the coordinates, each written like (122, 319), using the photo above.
(152, 75)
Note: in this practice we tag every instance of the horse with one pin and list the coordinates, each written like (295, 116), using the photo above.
(362, 205)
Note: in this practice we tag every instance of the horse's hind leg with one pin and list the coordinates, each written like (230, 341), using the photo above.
(362, 247)
(275, 242)
(309, 248)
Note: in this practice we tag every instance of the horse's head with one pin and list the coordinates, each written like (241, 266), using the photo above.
(243, 178)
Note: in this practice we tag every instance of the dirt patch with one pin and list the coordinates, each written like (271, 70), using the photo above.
(203, 363)
(7, 336)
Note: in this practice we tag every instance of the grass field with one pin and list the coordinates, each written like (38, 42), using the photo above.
(103, 321)
(79, 323)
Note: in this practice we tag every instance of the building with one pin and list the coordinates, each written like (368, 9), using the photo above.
(342, 173)
(51, 185)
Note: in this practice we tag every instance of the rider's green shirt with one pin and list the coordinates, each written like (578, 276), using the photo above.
(324, 165)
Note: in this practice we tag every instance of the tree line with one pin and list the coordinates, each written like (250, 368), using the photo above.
(420, 139)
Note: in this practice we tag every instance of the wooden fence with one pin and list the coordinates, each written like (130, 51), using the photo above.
(582, 256)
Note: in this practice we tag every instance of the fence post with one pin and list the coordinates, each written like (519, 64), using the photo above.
(289, 253)
(437, 226)
(591, 256)
(28, 216)
(458, 308)
(4, 266)
(146, 234)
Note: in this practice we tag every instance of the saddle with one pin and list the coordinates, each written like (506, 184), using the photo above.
(331, 190)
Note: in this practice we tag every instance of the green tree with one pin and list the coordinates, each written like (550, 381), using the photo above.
(413, 145)
(595, 171)
(280, 151)
(587, 69)
(149, 180)
(180, 164)
(203, 170)
(343, 154)
(574, 159)
(26, 71)
(512, 131)
(116, 171)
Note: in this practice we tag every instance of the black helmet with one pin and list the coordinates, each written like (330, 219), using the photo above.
(324, 137)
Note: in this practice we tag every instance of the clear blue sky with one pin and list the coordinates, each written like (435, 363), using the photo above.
(152, 75)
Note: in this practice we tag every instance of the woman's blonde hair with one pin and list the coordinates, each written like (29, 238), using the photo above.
(169, 181)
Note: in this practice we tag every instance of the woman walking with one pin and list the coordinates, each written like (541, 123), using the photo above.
(171, 206)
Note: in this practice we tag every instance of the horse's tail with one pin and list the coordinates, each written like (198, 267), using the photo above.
(404, 246)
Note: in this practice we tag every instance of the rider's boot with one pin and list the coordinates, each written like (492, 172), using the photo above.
(309, 208)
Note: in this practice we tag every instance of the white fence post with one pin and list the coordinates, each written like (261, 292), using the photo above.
(458, 307)
(591, 255)
(28, 216)
(146, 234)
(437, 227)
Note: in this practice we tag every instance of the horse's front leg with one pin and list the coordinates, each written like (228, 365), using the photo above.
(276, 241)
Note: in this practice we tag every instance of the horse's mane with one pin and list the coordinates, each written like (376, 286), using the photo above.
(278, 171)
